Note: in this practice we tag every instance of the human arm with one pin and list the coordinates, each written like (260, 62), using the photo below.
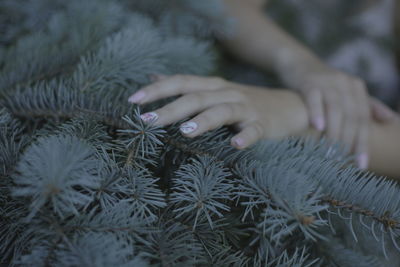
(396, 22)
(256, 112)
(337, 102)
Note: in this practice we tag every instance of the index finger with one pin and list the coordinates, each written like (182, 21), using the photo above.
(175, 85)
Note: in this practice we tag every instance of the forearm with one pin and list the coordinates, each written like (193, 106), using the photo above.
(259, 41)
(396, 22)
(384, 139)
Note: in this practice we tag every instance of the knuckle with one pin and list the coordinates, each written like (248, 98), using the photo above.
(207, 118)
(186, 100)
(197, 98)
(169, 109)
(227, 109)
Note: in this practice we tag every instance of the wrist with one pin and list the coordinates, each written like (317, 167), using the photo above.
(294, 116)
(293, 66)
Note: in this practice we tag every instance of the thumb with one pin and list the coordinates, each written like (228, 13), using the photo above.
(380, 112)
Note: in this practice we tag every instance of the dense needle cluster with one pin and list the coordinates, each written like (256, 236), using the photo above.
(84, 182)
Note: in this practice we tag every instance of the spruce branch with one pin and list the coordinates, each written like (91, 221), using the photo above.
(227, 258)
(187, 17)
(98, 250)
(40, 255)
(203, 189)
(125, 58)
(143, 141)
(296, 259)
(284, 197)
(123, 183)
(217, 242)
(12, 142)
(173, 246)
(52, 50)
(335, 252)
(93, 179)
(57, 169)
(386, 220)
(54, 100)
(14, 236)
(84, 128)
(122, 219)
(90, 249)
(330, 169)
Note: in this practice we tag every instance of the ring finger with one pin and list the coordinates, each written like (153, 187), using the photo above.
(334, 115)
(350, 122)
(217, 116)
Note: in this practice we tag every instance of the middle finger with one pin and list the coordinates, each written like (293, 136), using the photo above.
(334, 115)
(190, 104)
(350, 122)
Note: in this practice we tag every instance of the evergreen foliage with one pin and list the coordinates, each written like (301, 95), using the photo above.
(84, 182)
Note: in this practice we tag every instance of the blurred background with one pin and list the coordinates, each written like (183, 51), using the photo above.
(357, 36)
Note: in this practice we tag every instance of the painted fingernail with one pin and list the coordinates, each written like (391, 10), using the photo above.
(362, 161)
(239, 142)
(137, 97)
(188, 127)
(319, 123)
(149, 117)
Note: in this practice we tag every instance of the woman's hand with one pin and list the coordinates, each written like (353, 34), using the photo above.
(256, 112)
(339, 104)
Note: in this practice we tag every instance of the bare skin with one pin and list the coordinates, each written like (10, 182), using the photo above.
(397, 29)
(257, 113)
(338, 103)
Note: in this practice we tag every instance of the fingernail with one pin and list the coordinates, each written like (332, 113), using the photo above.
(188, 127)
(137, 97)
(239, 142)
(149, 117)
(319, 123)
(362, 161)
